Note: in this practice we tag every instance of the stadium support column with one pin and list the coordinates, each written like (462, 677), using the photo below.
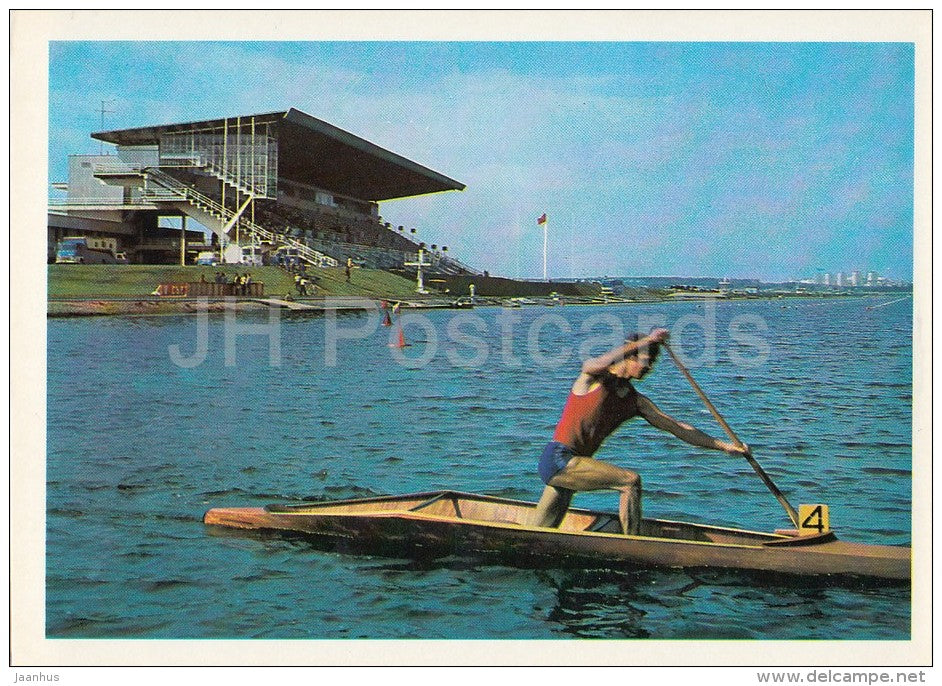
(222, 189)
(252, 184)
(238, 183)
(252, 181)
(183, 242)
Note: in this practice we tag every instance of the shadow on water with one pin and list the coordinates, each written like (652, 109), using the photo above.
(697, 603)
(598, 603)
(638, 603)
(424, 558)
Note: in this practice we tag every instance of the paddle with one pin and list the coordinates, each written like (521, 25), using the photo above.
(792, 514)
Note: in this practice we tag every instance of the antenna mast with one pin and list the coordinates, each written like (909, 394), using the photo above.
(103, 111)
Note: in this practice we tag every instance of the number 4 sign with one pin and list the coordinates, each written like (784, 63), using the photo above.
(813, 519)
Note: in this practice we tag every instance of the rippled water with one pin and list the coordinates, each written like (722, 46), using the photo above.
(140, 447)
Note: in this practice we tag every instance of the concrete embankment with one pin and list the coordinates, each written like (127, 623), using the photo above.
(174, 306)
(151, 306)
(155, 305)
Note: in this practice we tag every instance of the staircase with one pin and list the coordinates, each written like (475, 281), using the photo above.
(162, 187)
(159, 186)
(226, 178)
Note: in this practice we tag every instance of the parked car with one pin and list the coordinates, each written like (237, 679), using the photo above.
(85, 250)
(207, 259)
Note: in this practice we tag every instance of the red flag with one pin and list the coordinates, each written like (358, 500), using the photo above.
(541, 220)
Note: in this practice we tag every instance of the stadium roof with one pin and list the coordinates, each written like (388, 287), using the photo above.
(319, 154)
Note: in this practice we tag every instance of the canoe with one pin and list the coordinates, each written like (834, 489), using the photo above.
(451, 522)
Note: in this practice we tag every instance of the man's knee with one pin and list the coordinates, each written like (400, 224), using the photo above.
(552, 506)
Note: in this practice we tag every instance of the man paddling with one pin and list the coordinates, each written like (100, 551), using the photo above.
(601, 399)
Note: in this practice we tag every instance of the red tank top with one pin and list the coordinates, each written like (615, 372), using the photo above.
(589, 419)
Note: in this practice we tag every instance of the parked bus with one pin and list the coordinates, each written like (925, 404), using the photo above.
(83, 250)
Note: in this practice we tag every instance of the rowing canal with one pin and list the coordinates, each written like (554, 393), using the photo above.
(153, 420)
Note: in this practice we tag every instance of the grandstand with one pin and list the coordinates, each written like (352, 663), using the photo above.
(264, 184)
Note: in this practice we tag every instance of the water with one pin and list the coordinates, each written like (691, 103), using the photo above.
(140, 447)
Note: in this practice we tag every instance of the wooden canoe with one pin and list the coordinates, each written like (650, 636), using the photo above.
(451, 522)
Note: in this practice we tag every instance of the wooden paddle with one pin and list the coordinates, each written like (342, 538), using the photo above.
(792, 513)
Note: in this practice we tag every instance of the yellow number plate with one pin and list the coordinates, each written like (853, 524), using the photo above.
(813, 519)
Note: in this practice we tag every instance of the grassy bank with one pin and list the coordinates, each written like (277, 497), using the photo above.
(137, 280)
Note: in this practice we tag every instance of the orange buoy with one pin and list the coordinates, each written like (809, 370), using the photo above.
(401, 343)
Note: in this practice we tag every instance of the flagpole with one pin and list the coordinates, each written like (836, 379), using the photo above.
(544, 249)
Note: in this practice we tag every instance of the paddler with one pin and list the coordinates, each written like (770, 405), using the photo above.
(601, 399)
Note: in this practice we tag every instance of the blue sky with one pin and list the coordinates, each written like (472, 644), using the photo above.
(751, 160)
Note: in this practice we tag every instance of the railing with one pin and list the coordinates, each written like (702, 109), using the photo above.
(305, 252)
(180, 190)
(227, 178)
(461, 265)
(323, 245)
(123, 169)
(171, 188)
(161, 193)
(388, 257)
(447, 259)
(195, 289)
(92, 202)
(181, 160)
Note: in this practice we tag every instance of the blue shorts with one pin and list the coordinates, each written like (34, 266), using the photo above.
(555, 456)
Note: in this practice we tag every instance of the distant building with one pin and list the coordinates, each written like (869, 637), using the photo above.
(839, 280)
(855, 278)
(871, 278)
(280, 179)
(826, 279)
